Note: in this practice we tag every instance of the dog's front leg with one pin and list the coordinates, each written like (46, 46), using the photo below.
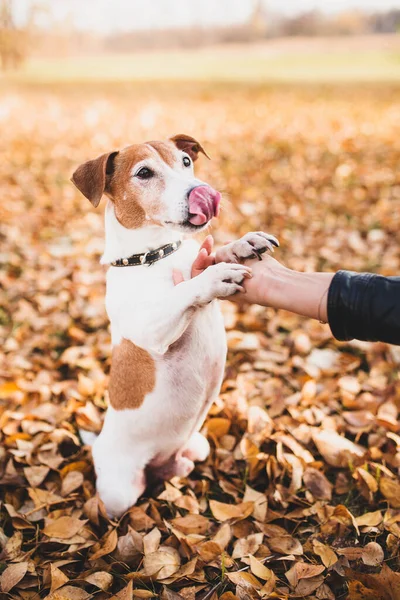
(160, 322)
(251, 245)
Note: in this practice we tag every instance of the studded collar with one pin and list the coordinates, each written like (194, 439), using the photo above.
(147, 258)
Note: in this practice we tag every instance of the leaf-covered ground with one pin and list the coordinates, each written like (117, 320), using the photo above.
(300, 497)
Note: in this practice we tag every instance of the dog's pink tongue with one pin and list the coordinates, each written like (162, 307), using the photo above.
(203, 204)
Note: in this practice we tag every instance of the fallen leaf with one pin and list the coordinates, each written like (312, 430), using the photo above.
(163, 563)
(370, 519)
(285, 545)
(69, 592)
(218, 427)
(246, 546)
(325, 552)
(192, 524)
(71, 482)
(151, 541)
(106, 546)
(129, 547)
(359, 592)
(343, 515)
(58, 578)
(385, 584)
(260, 503)
(260, 570)
(100, 579)
(63, 527)
(372, 554)
(36, 475)
(242, 578)
(317, 484)
(224, 512)
(12, 575)
(209, 551)
(336, 449)
(302, 570)
(390, 489)
(126, 593)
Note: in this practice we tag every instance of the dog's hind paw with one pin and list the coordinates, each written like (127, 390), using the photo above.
(197, 448)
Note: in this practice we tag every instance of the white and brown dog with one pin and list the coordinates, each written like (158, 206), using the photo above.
(169, 344)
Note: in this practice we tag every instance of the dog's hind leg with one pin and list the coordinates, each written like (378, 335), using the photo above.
(178, 465)
(120, 493)
(120, 475)
(197, 447)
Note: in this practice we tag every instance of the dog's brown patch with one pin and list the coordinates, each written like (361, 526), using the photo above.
(133, 205)
(128, 208)
(133, 375)
(165, 150)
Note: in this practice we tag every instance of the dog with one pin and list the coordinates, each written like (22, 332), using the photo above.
(169, 345)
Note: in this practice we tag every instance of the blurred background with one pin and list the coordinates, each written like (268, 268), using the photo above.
(237, 40)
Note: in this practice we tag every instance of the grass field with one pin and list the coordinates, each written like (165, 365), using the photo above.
(368, 59)
(300, 496)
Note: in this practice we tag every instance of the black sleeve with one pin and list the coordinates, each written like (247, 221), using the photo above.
(365, 307)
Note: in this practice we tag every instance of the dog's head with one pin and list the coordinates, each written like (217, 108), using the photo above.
(152, 183)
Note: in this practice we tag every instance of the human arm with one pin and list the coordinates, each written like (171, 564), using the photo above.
(361, 306)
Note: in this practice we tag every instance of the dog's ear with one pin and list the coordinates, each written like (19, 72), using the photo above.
(93, 177)
(188, 145)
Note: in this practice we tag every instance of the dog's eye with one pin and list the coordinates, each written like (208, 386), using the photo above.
(144, 173)
(186, 161)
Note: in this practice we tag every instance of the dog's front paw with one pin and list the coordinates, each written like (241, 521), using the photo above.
(251, 245)
(222, 280)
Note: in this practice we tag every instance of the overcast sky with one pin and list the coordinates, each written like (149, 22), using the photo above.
(111, 15)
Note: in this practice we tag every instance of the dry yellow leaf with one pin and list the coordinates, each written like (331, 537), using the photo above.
(192, 524)
(218, 426)
(100, 579)
(260, 570)
(373, 554)
(209, 551)
(260, 503)
(63, 527)
(326, 553)
(163, 563)
(336, 449)
(302, 570)
(12, 575)
(71, 482)
(69, 592)
(224, 512)
(390, 489)
(151, 541)
(58, 578)
(36, 475)
(105, 546)
(285, 545)
(370, 519)
(244, 579)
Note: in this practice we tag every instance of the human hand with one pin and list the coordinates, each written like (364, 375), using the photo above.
(204, 259)
(266, 285)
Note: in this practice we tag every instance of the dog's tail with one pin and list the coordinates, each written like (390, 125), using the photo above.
(88, 437)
